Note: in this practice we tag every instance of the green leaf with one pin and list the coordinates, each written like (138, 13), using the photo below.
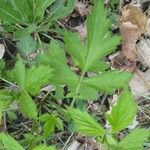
(87, 92)
(99, 65)
(2, 65)
(36, 77)
(108, 81)
(50, 123)
(75, 47)
(61, 9)
(23, 11)
(59, 123)
(49, 127)
(85, 124)
(55, 57)
(27, 45)
(22, 7)
(55, 52)
(88, 58)
(44, 147)
(19, 73)
(31, 139)
(135, 140)
(123, 112)
(8, 13)
(25, 32)
(10, 143)
(39, 8)
(5, 99)
(111, 142)
(45, 117)
(99, 42)
(59, 92)
(27, 105)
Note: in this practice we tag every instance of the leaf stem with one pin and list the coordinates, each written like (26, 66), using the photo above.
(77, 89)
(8, 82)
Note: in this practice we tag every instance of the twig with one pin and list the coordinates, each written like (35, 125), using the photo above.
(67, 141)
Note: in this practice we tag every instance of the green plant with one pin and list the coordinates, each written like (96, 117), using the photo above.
(11, 144)
(88, 56)
(25, 80)
(28, 83)
(119, 117)
(24, 18)
(30, 13)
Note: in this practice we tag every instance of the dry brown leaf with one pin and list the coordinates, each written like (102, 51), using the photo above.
(81, 29)
(123, 63)
(148, 27)
(140, 84)
(2, 50)
(82, 8)
(74, 146)
(143, 52)
(132, 24)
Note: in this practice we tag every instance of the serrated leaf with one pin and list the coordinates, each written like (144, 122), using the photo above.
(87, 92)
(26, 45)
(50, 122)
(23, 11)
(22, 7)
(19, 73)
(45, 117)
(37, 77)
(99, 65)
(49, 127)
(8, 13)
(59, 92)
(21, 33)
(99, 42)
(111, 141)
(123, 112)
(135, 140)
(10, 143)
(75, 47)
(59, 123)
(5, 99)
(108, 81)
(27, 105)
(39, 8)
(62, 8)
(55, 52)
(85, 124)
(55, 57)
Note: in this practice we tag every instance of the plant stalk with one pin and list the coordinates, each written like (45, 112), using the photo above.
(77, 89)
